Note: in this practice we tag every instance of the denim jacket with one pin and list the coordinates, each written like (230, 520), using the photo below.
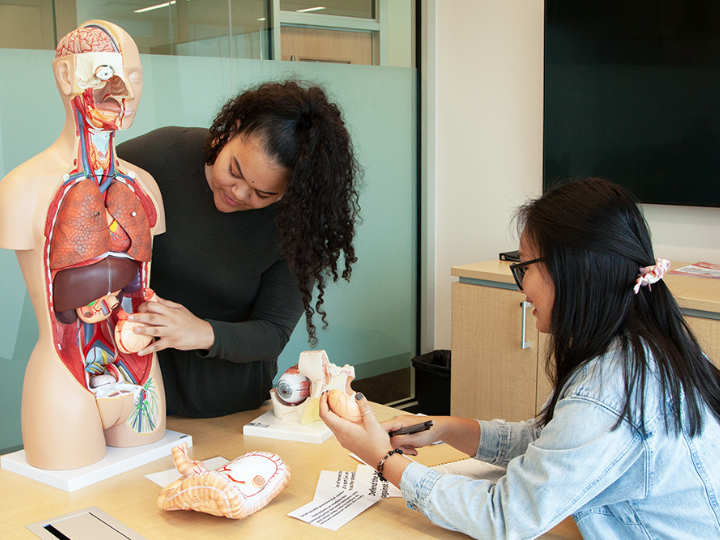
(617, 484)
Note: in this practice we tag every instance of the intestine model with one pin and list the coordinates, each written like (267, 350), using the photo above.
(297, 394)
(235, 490)
(81, 223)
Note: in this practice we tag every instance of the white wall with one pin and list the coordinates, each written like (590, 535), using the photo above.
(484, 69)
(488, 125)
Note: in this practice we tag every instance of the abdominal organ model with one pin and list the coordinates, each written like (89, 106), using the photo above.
(235, 490)
(82, 225)
(297, 394)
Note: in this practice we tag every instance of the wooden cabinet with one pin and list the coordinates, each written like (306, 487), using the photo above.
(493, 376)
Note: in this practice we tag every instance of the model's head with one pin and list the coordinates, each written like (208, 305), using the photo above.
(97, 68)
(310, 171)
(593, 240)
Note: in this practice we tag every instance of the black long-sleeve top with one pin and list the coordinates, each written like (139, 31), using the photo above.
(224, 268)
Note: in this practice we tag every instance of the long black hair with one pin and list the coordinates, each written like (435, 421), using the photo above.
(301, 130)
(593, 239)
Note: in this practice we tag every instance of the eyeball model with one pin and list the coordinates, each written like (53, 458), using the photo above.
(104, 73)
(293, 387)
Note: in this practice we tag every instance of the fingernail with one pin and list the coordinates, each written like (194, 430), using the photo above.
(131, 318)
(137, 330)
(359, 396)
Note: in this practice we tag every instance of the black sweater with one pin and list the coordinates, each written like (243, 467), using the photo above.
(224, 268)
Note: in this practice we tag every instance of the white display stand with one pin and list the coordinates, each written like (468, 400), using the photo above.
(268, 425)
(116, 461)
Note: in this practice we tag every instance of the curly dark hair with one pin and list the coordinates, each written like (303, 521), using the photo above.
(305, 133)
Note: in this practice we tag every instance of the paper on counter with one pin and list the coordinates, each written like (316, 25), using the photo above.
(699, 269)
(334, 508)
(342, 495)
(368, 483)
(364, 480)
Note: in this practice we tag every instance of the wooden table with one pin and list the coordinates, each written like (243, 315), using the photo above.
(131, 499)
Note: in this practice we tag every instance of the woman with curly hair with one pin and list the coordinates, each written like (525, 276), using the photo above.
(260, 210)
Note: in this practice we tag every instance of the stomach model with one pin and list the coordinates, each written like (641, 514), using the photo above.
(235, 490)
(97, 254)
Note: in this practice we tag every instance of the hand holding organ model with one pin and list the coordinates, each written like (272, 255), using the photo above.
(81, 223)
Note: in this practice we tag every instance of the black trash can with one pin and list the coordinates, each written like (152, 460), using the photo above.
(432, 382)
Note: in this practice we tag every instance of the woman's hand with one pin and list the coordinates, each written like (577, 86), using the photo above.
(460, 433)
(409, 443)
(174, 325)
(367, 439)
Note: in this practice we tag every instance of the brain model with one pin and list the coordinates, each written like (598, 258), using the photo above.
(235, 490)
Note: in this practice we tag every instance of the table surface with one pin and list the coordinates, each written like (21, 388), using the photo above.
(131, 499)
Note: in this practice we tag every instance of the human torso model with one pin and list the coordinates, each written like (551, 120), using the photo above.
(82, 224)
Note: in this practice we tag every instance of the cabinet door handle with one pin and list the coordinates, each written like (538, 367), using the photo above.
(524, 344)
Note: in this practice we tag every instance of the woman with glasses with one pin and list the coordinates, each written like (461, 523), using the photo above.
(628, 441)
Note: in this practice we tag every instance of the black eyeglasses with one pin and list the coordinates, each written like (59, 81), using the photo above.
(518, 270)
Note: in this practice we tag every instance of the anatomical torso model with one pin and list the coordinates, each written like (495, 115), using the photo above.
(81, 222)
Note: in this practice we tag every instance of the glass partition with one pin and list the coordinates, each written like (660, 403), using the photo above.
(224, 28)
(364, 9)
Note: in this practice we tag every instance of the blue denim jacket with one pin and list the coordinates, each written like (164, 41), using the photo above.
(617, 484)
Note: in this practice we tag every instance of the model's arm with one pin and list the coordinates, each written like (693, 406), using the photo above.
(18, 195)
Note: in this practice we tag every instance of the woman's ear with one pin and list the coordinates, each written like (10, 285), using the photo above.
(64, 71)
(235, 130)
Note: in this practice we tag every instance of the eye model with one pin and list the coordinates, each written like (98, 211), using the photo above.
(104, 72)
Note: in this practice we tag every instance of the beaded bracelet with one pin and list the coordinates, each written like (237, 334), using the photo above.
(381, 465)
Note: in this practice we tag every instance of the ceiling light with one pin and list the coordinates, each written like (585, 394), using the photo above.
(318, 8)
(158, 6)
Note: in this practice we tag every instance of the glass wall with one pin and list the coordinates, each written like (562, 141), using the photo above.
(372, 318)
(232, 29)
(364, 9)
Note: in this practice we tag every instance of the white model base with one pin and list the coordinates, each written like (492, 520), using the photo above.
(268, 425)
(116, 461)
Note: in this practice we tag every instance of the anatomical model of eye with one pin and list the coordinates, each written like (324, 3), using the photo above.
(235, 490)
(297, 394)
(293, 387)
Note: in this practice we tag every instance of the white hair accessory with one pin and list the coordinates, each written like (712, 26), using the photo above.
(651, 274)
